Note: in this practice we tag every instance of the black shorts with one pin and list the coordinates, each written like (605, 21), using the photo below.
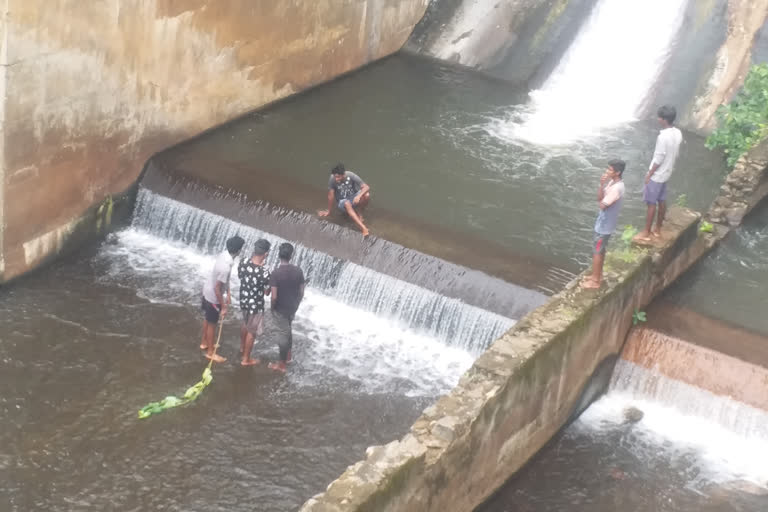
(211, 312)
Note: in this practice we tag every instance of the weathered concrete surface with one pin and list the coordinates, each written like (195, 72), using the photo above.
(92, 89)
(696, 365)
(743, 188)
(520, 392)
(732, 340)
(745, 20)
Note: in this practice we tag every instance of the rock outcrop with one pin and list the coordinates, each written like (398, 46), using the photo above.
(743, 188)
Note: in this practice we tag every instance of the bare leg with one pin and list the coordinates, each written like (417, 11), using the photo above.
(594, 281)
(247, 359)
(204, 340)
(361, 205)
(243, 336)
(216, 358)
(355, 218)
(645, 235)
(660, 217)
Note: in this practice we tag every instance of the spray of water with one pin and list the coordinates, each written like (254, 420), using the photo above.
(449, 320)
(604, 77)
(729, 439)
(335, 340)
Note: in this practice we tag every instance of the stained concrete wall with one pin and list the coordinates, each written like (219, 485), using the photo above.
(92, 89)
(518, 394)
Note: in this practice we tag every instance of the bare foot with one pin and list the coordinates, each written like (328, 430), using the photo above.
(203, 347)
(656, 233)
(643, 236)
(249, 362)
(590, 284)
(278, 367)
(216, 358)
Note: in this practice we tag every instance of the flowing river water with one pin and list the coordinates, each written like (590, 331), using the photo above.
(92, 338)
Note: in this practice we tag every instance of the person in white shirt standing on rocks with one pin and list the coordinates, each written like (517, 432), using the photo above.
(663, 164)
(215, 286)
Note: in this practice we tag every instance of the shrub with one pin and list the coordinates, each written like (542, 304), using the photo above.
(743, 123)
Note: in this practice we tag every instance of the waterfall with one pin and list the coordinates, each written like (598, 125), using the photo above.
(726, 440)
(693, 402)
(447, 319)
(606, 74)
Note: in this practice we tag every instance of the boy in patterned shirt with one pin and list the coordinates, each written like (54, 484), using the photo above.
(254, 287)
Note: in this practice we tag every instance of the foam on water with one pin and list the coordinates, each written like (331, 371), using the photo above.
(604, 77)
(381, 355)
(728, 439)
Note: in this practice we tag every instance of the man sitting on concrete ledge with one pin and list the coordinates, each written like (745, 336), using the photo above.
(349, 193)
(610, 196)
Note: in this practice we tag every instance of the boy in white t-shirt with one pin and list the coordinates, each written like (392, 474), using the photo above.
(663, 164)
(215, 286)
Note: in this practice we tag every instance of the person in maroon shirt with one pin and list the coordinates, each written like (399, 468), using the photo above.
(287, 282)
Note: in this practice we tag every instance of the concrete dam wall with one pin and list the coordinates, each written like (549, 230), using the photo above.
(92, 89)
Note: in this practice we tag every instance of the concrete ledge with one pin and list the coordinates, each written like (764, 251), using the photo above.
(518, 393)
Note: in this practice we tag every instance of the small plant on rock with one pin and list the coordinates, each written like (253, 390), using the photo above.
(682, 201)
(627, 253)
(628, 234)
(706, 227)
(638, 316)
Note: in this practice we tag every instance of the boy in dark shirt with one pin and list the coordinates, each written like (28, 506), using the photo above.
(350, 194)
(287, 283)
(254, 287)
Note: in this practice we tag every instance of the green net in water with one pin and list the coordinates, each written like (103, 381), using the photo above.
(170, 402)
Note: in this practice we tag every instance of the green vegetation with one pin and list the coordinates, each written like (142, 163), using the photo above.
(743, 123)
(638, 316)
(627, 253)
(104, 213)
(628, 234)
(682, 201)
(706, 227)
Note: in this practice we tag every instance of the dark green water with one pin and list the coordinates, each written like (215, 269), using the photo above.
(730, 284)
(431, 141)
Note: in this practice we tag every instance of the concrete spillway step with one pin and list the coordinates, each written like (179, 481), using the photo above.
(743, 379)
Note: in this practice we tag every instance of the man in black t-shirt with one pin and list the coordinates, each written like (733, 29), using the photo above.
(287, 283)
(349, 193)
(254, 287)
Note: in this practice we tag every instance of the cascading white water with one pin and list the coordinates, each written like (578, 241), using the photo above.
(729, 438)
(446, 319)
(604, 77)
